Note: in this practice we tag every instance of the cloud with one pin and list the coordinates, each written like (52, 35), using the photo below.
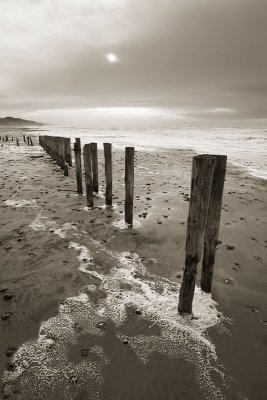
(191, 53)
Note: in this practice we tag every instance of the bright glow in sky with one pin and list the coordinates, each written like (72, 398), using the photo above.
(111, 57)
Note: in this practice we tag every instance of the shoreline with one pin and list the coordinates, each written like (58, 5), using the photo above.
(159, 240)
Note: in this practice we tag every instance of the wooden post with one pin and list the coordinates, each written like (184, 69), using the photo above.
(24, 139)
(94, 166)
(213, 222)
(28, 140)
(87, 156)
(78, 164)
(31, 141)
(201, 181)
(129, 184)
(17, 140)
(66, 169)
(108, 172)
(67, 149)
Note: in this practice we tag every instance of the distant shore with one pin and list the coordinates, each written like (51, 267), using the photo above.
(49, 242)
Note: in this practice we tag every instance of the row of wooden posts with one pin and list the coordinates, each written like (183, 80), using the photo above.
(59, 148)
(27, 139)
(207, 182)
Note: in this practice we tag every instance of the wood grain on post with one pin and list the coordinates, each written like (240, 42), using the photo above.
(87, 157)
(78, 164)
(213, 222)
(201, 181)
(67, 149)
(94, 166)
(108, 172)
(129, 184)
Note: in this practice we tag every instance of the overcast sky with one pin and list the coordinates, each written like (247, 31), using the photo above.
(207, 58)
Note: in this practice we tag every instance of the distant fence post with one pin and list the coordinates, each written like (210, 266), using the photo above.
(28, 140)
(108, 172)
(94, 166)
(201, 181)
(129, 184)
(17, 140)
(24, 139)
(213, 222)
(87, 156)
(78, 163)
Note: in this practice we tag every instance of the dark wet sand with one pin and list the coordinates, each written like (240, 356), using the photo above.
(39, 270)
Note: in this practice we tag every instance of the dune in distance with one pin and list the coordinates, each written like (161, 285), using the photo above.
(12, 121)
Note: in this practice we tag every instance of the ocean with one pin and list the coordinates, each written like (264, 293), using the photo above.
(244, 147)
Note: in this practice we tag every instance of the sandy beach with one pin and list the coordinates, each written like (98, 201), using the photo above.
(89, 306)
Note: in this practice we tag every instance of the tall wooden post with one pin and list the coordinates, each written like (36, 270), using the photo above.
(94, 166)
(201, 181)
(78, 164)
(108, 172)
(87, 157)
(129, 184)
(67, 149)
(213, 222)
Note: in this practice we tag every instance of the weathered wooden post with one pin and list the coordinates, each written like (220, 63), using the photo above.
(87, 156)
(201, 181)
(24, 139)
(213, 222)
(67, 149)
(78, 164)
(17, 140)
(28, 140)
(129, 184)
(94, 166)
(108, 172)
(31, 141)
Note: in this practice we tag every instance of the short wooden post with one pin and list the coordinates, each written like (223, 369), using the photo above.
(66, 169)
(129, 184)
(78, 164)
(213, 222)
(28, 140)
(94, 166)
(201, 181)
(24, 139)
(31, 141)
(17, 140)
(87, 156)
(108, 172)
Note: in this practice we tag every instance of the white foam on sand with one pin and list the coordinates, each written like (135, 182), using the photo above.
(86, 260)
(43, 366)
(40, 224)
(18, 203)
(121, 224)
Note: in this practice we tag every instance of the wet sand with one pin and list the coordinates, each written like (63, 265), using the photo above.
(52, 247)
